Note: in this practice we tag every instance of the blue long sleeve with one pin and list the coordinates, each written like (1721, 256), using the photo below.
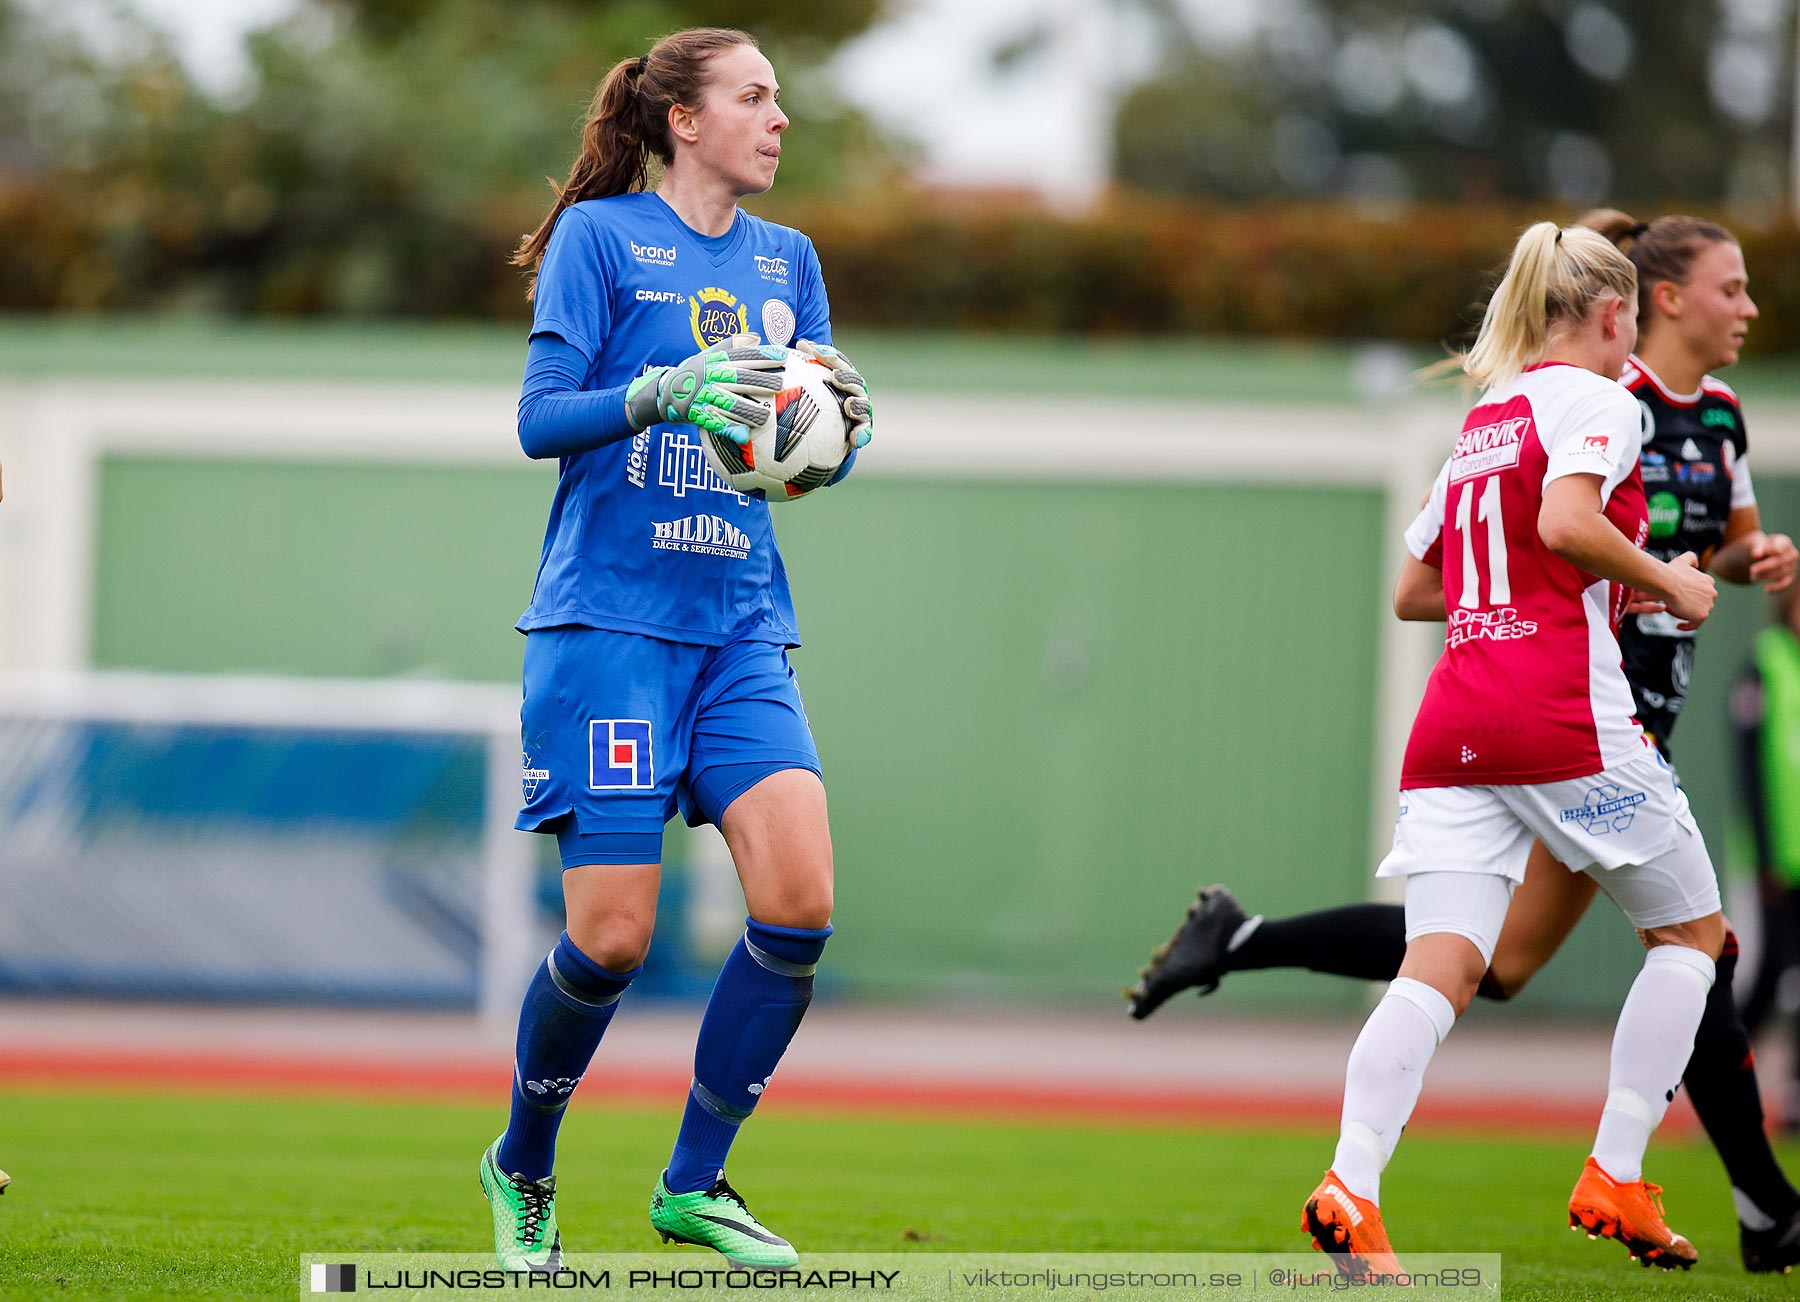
(557, 418)
(843, 471)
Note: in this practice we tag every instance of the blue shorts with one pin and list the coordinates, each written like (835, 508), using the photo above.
(621, 730)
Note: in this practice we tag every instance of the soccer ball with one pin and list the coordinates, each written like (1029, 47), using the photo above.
(797, 449)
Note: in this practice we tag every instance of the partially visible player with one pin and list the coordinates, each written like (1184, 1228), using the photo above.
(1694, 310)
(656, 670)
(1535, 575)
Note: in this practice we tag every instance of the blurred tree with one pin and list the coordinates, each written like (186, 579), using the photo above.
(1644, 102)
(383, 159)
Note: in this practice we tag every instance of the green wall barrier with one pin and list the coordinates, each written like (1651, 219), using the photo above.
(1047, 712)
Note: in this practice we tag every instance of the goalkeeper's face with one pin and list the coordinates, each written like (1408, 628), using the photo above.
(739, 125)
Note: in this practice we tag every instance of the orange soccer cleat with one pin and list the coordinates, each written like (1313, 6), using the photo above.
(1631, 1213)
(1349, 1228)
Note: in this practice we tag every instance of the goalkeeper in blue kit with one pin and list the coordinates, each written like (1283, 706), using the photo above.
(656, 677)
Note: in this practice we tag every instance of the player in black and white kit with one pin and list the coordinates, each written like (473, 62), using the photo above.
(1694, 309)
(1696, 480)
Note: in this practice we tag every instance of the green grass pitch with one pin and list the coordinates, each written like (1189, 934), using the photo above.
(180, 1196)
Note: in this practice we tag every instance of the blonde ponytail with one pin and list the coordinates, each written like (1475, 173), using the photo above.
(1554, 276)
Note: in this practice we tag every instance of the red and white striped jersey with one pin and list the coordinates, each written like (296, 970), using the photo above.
(1529, 687)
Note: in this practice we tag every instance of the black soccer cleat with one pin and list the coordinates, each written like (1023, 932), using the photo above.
(1194, 956)
(1774, 1249)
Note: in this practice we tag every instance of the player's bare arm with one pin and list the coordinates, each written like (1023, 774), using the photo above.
(1419, 592)
(1572, 524)
(1748, 555)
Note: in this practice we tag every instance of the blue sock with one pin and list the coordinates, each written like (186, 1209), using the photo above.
(570, 1000)
(756, 1007)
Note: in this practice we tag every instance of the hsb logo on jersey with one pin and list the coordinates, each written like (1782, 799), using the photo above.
(716, 316)
(619, 755)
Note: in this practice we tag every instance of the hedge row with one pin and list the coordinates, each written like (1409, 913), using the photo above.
(905, 260)
(1273, 271)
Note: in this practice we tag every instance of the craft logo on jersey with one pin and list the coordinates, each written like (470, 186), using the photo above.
(660, 296)
(683, 467)
(652, 254)
(1605, 809)
(708, 535)
(1488, 447)
(774, 269)
(619, 755)
(532, 778)
(716, 316)
(1501, 624)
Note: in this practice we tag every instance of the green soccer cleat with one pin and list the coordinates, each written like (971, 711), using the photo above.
(716, 1218)
(525, 1233)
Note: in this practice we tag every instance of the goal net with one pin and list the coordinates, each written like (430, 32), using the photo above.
(265, 839)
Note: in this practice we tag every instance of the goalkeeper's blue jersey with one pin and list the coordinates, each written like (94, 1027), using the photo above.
(644, 537)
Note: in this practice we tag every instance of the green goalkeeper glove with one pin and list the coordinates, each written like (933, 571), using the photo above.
(851, 388)
(725, 389)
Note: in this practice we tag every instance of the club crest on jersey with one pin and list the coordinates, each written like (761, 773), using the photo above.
(1488, 447)
(1605, 809)
(620, 756)
(777, 322)
(716, 316)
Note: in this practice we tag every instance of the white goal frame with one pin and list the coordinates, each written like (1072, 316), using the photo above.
(378, 708)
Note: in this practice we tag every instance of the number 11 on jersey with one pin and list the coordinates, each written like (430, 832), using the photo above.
(1487, 511)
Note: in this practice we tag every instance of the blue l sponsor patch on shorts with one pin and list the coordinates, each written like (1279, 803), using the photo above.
(1605, 809)
(620, 755)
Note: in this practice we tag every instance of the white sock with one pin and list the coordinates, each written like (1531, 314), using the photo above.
(1750, 1216)
(1245, 930)
(1650, 1050)
(1381, 1082)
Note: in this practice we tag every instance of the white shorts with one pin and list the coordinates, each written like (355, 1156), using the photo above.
(1629, 827)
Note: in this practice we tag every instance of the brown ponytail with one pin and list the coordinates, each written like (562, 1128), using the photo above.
(1664, 249)
(628, 123)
